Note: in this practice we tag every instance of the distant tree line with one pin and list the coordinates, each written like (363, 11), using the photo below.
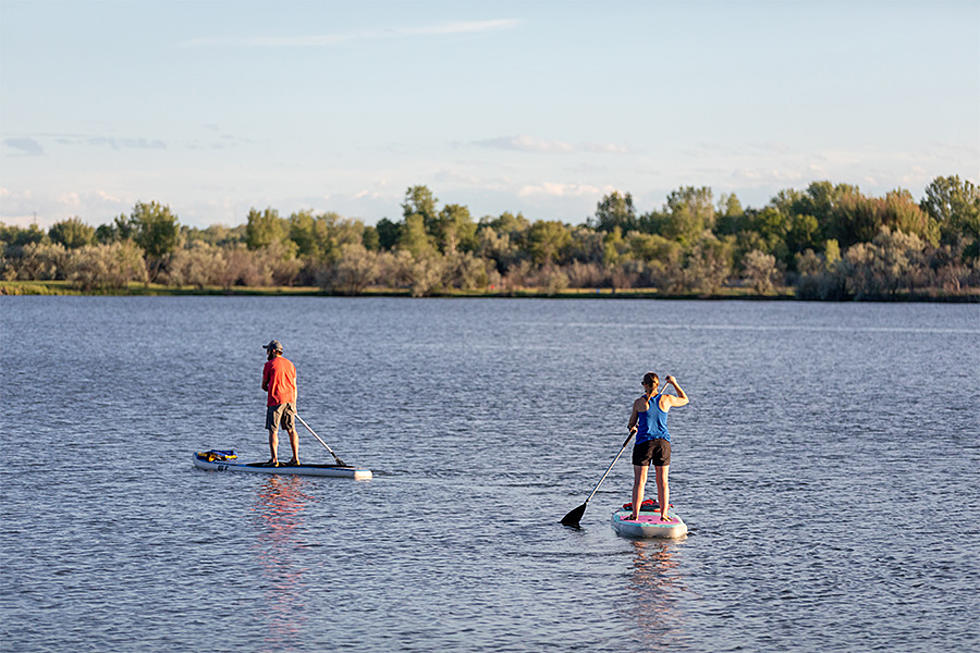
(829, 241)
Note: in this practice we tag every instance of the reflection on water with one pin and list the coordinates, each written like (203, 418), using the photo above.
(279, 509)
(654, 587)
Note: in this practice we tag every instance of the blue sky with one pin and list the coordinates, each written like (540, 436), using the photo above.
(540, 107)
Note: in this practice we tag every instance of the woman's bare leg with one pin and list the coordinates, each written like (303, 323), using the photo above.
(663, 490)
(639, 480)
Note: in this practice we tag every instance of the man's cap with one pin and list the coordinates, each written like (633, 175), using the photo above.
(274, 345)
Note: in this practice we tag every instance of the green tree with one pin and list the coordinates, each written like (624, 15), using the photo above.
(414, 238)
(508, 223)
(615, 248)
(155, 228)
(319, 237)
(454, 229)
(264, 228)
(309, 234)
(859, 219)
(730, 217)
(18, 237)
(902, 213)
(370, 239)
(689, 212)
(388, 233)
(730, 206)
(72, 233)
(955, 206)
(217, 235)
(772, 225)
(615, 211)
(653, 247)
(822, 197)
(803, 233)
(121, 228)
(653, 222)
(498, 247)
(156, 231)
(831, 251)
(587, 245)
(546, 241)
(420, 201)
(512, 228)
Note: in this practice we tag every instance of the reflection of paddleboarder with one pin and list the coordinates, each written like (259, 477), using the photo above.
(656, 587)
(649, 421)
(280, 523)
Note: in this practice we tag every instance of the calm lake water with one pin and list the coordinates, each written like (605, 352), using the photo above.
(827, 467)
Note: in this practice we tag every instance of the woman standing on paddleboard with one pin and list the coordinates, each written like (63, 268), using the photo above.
(649, 421)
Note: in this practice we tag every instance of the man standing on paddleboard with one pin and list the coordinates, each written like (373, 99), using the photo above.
(649, 421)
(279, 379)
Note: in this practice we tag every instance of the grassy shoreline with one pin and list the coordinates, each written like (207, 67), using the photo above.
(159, 290)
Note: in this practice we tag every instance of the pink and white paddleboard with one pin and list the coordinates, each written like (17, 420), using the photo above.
(648, 525)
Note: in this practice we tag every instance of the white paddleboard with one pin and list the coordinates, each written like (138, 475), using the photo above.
(203, 461)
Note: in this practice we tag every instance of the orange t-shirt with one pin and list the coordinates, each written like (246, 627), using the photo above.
(279, 376)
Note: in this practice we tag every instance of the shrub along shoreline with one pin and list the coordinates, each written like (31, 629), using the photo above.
(827, 242)
(133, 289)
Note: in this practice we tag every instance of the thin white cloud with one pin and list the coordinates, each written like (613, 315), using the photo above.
(714, 150)
(116, 143)
(103, 195)
(524, 143)
(605, 148)
(23, 207)
(553, 189)
(463, 27)
(327, 40)
(70, 200)
(456, 176)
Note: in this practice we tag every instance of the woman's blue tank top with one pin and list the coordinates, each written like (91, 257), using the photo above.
(652, 422)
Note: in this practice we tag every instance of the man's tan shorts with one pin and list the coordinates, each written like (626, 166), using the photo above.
(280, 417)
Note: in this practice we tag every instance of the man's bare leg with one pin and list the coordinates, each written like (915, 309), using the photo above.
(294, 443)
(274, 447)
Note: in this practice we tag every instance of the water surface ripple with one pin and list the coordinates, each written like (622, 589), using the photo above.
(826, 466)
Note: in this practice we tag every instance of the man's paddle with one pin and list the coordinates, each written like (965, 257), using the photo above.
(339, 461)
(575, 516)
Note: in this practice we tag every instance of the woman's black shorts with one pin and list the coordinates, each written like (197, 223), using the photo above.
(656, 451)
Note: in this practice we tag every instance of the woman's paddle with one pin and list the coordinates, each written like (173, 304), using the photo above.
(339, 461)
(575, 516)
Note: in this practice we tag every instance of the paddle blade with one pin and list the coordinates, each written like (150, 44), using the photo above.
(574, 517)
